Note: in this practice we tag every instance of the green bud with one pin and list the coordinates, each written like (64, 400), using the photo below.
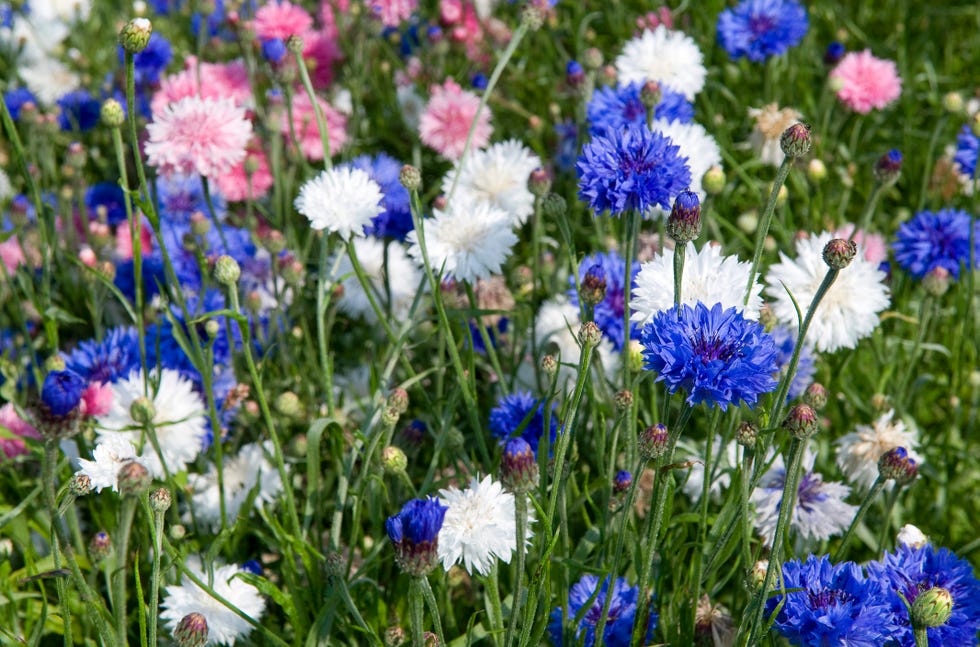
(191, 631)
(133, 479)
(142, 411)
(394, 460)
(226, 270)
(932, 608)
(410, 177)
(135, 35)
(160, 500)
(796, 140)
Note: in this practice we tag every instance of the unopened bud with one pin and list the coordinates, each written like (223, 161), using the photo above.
(898, 465)
(624, 400)
(191, 631)
(593, 59)
(816, 170)
(650, 94)
(815, 396)
(549, 365)
(839, 253)
(100, 546)
(295, 45)
(519, 467)
(714, 180)
(909, 535)
(288, 404)
(796, 140)
(953, 102)
(622, 481)
(539, 182)
(801, 421)
(133, 479)
(395, 636)
(553, 206)
(757, 576)
(200, 224)
(142, 410)
(747, 434)
(393, 460)
(653, 440)
(532, 17)
(410, 177)
(593, 287)
(684, 222)
(80, 484)
(160, 499)
(135, 35)
(398, 400)
(227, 271)
(932, 608)
(589, 335)
(936, 281)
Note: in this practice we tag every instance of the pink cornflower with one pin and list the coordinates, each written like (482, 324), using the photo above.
(307, 131)
(124, 240)
(218, 81)
(234, 185)
(392, 12)
(281, 20)
(328, 16)
(11, 447)
(97, 399)
(194, 135)
(866, 82)
(447, 118)
(320, 52)
(11, 254)
(875, 249)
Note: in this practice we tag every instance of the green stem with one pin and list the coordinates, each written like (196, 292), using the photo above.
(123, 532)
(321, 122)
(322, 331)
(680, 253)
(495, 613)
(921, 637)
(430, 600)
(520, 517)
(869, 498)
(156, 575)
(886, 521)
(869, 209)
(415, 609)
(766, 221)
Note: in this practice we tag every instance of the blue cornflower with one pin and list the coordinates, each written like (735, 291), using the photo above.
(507, 418)
(149, 64)
(16, 99)
(106, 361)
(274, 50)
(182, 195)
(619, 622)
(396, 220)
(940, 239)
(967, 145)
(632, 168)
(214, 22)
(608, 313)
(785, 341)
(109, 195)
(911, 571)
(837, 605)
(154, 275)
(758, 29)
(62, 391)
(415, 533)
(79, 111)
(479, 81)
(718, 356)
(615, 108)
(834, 53)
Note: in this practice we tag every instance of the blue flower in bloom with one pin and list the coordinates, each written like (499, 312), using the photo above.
(717, 356)
(508, 418)
(619, 622)
(396, 220)
(106, 361)
(494, 332)
(415, 533)
(479, 81)
(785, 341)
(274, 50)
(837, 605)
(62, 391)
(967, 145)
(109, 195)
(615, 108)
(758, 29)
(16, 99)
(182, 195)
(149, 64)
(911, 571)
(632, 168)
(154, 275)
(79, 110)
(608, 313)
(834, 53)
(940, 239)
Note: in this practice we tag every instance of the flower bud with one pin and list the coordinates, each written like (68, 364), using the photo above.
(684, 222)
(160, 499)
(757, 576)
(909, 535)
(652, 441)
(593, 59)
(553, 206)
(191, 631)
(953, 102)
(747, 434)
(287, 403)
(227, 271)
(135, 35)
(177, 532)
(815, 396)
(532, 17)
(835, 52)
(398, 400)
(410, 177)
(574, 74)
(714, 180)
(200, 224)
(593, 287)
(650, 94)
(142, 410)
(549, 365)
(801, 421)
(624, 400)
(816, 170)
(932, 608)
(212, 328)
(936, 281)
(539, 182)
(838, 253)
(622, 481)
(888, 167)
(519, 467)
(100, 546)
(62, 391)
(295, 45)
(796, 140)
(133, 479)
(635, 356)
(393, 460)
(395, 636)
(79, 485)
(898, 465)
(589, 335)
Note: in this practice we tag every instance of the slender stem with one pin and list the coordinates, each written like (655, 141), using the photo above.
(129, 503)
(415, 608)
(760, 239)
(322, 332)
(494, 609)
(886, 520)
(745, 491)
(680, 253)
(321, 122)
(921, 635)
(430, 600)
(520, 517)
(156, 575)
(865, 504)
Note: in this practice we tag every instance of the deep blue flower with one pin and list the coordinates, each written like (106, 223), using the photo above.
(415, 533)
(566, 148)
(837, 605)
(940, 239)
(632, 168)
(758, 29)
(215, 23)
(109, 195)
(967, 145)
(785, 341)
(109, 360)
(154, 275)
(62, 391)
(494, 332)
(274, 50)
(182, 195)
(619, 622)
(911, 571)
(835, 52)
(718, 356)
(149, 64)
(608, 313)
(479, 81)
(615, 108)
(253, 567)
(508, 419)
(16, 99)
(79, 111)
(396, 220)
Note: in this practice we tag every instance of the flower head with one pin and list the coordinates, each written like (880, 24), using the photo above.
(619, 621)
(446, 120)
(244, 470)
(758, 29)
(497, 176)
(699, 147)
(108, 456)
(671, 58)
(849, 309)
(770, 124)
(837, 605)
(206, 81)
(967, 145)
(79, 111)
(858, 451)
(302, 121)
(940, 239)
(110, 360)
(342, 200)
(716, 355)
(629, 169)
(415, 533)
(281, 19)
(615, 108)
(194, 135)
(62, 391)
(609, 312)
(865, 82)
(522, 414)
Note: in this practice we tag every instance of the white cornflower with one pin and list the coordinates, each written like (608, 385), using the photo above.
(224, 625)
(724, 458)
(242, 472)
(110, 455)
(479, 527)
(708, 278)
(467, 241)
(178, 420)
(342, 199)
(909, 535)
(858, 452)
(820, 511)
(498, 176)
(770, 122)
(664, 55)
(849, 310)
(400, 280)
(700, 148)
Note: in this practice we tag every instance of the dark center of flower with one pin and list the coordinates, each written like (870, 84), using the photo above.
(181, 202)
(759, 25)
(595, 611)
(810, 491)
(711, 348)
(827, 598)
(634, 110)
(615, 301)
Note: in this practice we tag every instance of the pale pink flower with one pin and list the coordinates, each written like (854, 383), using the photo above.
(234, 185)
(874, 246)
(307, 131)
(11, 447)
(328, 18)
(97, 399)
(281, 20)
(124, 240)
(865, 82)
(11, 253)
(320, 52)
(218, 81)
(447, 118)
(194, 135)
(392, 12)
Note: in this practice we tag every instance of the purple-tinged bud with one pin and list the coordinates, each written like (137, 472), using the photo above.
(191, 631)
(79, 484)
(62, 391)
(936, 281)
(651, 94)
(622, 481)
(589, 335)
(274, 50)
(898, 465)
(652, 441)
(931, 608)
(684, 222)
(801, 421)
(479, 81)
(100, 546)
(519, 470)
(574, 74)
(815, 396)
(593, 287)
(133, 479)
(888, 167)
(835, 52)
(539, 182)
(796, 140)
(398, 400)
(838, 253)
(624, 400)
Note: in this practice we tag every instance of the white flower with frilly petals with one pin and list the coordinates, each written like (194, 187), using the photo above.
(666, 56)
(708, 278)
(498, 176)
(699, 147)
(849, 310)
(242, 471)
(109, 456)
(400, 281)
(342, 200)
(224, 625)
(909, 535)
(858, 452)
(479, 527)
(178, 420)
